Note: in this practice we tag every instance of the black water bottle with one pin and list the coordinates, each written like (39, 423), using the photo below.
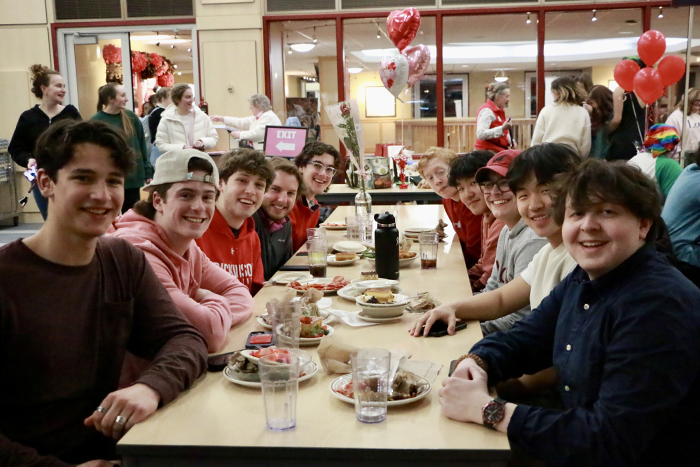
(386, 243)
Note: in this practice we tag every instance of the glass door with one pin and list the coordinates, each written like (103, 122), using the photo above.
(90, 61)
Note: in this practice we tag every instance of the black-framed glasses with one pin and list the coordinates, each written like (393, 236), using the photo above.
(487, 186)
(322, 168)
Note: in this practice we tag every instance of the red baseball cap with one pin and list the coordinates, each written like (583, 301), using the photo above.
(498, 163)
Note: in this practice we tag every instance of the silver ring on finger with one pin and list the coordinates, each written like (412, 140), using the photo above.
(120, 420)
(101, 409)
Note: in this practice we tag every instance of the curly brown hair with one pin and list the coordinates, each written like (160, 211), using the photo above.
(247, 160)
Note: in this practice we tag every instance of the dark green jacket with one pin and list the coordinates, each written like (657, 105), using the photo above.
(137, 142)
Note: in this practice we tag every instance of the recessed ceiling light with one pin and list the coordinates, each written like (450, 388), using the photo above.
(302, 47)
(354, 70)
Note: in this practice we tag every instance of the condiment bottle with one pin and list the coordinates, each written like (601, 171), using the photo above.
(386, 243)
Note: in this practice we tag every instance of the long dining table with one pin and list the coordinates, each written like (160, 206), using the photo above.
(219, 423)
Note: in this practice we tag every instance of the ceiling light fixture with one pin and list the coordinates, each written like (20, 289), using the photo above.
(157, 44)
(174, 66)
(179, 73)
(661, 12)
(354, 70)
(189, 50)
(290, 50)
(528, 18)
(172, 46)
(501, 77)
(594, 18)
(314, 38)
(379, 35)
(302, 47)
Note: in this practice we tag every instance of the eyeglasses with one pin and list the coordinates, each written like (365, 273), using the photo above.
(487, 186)
(321, 168)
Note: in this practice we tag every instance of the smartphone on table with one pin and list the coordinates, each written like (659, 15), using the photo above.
(439, 328)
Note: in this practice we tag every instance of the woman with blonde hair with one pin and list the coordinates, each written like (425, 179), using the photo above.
(49, 86)
(252, 128)
(690, 135)
(183, 125)
(491, 124)
(111, 109)
(565, 121)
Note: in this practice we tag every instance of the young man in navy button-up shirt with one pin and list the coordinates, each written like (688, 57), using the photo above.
(622, 331)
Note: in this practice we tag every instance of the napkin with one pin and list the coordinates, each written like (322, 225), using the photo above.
(335, 356)
(424, 368)
(350, 318)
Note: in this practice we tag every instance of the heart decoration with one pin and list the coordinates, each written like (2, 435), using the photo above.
(394, 74)
(418, 62)
(402, 27)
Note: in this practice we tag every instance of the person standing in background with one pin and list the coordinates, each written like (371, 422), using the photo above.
(49, 86)
(599, 105)
(565, 121)
(690, 135)
(184, 125)
(628, 125)
(111, 108)
(491, 124)
(252, 128)
(162, 100)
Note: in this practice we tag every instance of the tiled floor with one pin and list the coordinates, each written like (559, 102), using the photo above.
(10, 233)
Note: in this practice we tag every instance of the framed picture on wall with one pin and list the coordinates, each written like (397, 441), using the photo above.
(379, 102)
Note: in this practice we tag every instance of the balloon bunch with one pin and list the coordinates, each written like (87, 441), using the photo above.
(405, 68)
(649, 83)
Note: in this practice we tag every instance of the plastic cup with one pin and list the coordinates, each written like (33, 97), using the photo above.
(428, 250)
(279, 376)
(286, 325)
(318, 256)
(353, 228)
(370, 379)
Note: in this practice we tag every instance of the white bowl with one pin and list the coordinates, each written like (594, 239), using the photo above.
(392, 311)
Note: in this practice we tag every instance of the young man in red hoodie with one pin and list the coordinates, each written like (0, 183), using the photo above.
(318, 163)
(434, 167)
(231, 241)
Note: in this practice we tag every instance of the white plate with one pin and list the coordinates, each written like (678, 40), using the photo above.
(288, 277)
(247, 354)
(374, 284)
(403, 263)
(398, 301)
(332, 262)
(417, 231)
(334, 226)
(349, 292)
(320, 280)
(327, 319)
(315, 340)
(341, 381)
(311, 370)
(364, 317)
(349, 247)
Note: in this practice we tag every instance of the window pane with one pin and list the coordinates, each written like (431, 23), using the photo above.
(410, 121)
(304, 75)
(478, 50)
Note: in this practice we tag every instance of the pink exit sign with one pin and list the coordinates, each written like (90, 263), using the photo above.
(284, 140)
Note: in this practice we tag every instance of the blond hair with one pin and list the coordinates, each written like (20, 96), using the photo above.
(444, 154)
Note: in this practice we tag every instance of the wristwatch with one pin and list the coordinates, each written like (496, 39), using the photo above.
(493, 412)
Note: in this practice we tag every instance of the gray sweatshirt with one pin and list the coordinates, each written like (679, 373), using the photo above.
(515, 250)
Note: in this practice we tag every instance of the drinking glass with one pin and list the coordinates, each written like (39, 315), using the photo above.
(286, 325)
(428, 250)
(366, 222)
(279, 375)
(370, 380)
(353, 228)
(318, 232)
(318, 256)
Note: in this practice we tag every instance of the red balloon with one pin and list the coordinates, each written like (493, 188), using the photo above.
(651, 47)
(671, 69)
(648, 85)
(403, 26)
(624, 74)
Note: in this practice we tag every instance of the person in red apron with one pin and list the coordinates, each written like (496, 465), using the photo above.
(492, 128)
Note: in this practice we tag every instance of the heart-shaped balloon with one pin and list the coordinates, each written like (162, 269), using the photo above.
(651, 46)
(394, 74)
(648, 85)
(418, 62)
(403, 26)
(671, 69)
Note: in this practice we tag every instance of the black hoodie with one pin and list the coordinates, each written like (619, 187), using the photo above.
(32, 123)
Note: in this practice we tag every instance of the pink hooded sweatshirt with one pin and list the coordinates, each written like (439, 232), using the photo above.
(228, 305)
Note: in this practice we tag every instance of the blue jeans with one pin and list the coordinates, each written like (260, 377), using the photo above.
(41, 202)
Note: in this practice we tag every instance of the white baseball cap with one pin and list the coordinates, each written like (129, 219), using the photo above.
(171, 167)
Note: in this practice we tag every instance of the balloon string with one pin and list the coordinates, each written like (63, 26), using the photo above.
(636, 120)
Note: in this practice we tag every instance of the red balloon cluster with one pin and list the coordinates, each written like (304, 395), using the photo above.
(402, 26)
(649, 83)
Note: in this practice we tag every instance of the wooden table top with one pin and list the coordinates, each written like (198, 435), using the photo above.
(217, 413)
